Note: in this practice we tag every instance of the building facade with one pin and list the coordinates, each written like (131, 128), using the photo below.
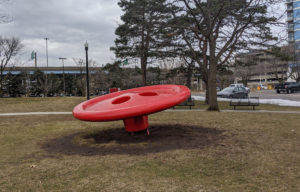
(260, 68)
(293, 20)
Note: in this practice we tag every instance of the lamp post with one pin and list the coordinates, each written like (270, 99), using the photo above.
(46, 39)
(63, 64)
(86, 46)
(46, 83)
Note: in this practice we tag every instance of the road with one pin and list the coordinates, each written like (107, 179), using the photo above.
(267, 94)
(271, 94)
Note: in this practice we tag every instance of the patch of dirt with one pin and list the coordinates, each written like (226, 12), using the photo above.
(118, 141)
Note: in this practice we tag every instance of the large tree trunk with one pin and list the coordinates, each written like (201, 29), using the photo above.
(213, 104)
(1, 82)
(212, 80)
(204, 71)
(189, 75)
(207, 93)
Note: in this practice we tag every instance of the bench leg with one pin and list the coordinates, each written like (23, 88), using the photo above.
(234, 107)
(253, 107)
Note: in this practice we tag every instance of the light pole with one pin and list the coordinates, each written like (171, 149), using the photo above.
(46, 82)
(86, 46)
(46, 39)
(63, 64)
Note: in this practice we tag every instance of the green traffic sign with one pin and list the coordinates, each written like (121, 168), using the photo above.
(32, 55)
(125, 62)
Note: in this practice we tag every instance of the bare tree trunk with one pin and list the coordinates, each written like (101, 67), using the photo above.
(213, 104)
(212, 79)
(189, 74)
(144, 70)
(204, 71)
(1, 82)
(206, 93)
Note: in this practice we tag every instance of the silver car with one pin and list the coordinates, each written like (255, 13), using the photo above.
(233, 92)
(240, 85)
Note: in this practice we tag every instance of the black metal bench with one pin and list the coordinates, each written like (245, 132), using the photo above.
(189, 102)
(251, 101)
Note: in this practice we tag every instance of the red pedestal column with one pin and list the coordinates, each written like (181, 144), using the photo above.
(134, 124)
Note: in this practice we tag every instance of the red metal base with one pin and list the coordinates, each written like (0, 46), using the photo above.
(135, 124)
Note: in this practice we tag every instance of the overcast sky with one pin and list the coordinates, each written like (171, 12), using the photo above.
(67, 24)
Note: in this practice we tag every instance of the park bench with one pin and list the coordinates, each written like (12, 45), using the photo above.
(250, 101)
(189, 102)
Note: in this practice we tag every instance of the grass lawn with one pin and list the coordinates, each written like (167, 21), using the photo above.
(186, 151)
(65, 104)
(39, 104)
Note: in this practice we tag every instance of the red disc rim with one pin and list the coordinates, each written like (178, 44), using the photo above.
(131, 103)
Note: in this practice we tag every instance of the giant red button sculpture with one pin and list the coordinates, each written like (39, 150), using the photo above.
(132, 106)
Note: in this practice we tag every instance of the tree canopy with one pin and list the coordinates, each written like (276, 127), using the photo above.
(214, 29)
(141, 33)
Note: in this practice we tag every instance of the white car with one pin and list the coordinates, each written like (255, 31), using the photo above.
(240, 85)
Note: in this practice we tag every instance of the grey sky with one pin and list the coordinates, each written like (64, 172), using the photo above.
(68, 24)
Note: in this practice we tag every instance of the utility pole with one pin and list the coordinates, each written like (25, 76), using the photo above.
(86, 46)
(47, 50)
(35, 60)
(63, 64)
(46, 82)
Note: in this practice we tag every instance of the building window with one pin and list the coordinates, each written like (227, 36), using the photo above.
(291, 36)
(291, 26)
(296, 4)
(296, 14)
(297, 35)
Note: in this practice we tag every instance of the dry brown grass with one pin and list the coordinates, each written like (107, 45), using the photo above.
(251, 152)
(65, 104)
(38, 104)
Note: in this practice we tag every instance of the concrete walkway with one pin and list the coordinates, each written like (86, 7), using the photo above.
(169, 110)
(239, 111)
(36, 113)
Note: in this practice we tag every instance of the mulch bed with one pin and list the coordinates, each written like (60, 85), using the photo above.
(118, 141)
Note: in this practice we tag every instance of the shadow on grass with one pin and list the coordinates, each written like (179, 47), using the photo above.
(118, 141)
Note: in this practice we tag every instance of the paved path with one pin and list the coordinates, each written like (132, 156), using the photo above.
(35, 113)
(239, 111)
(267, 94)
(170, 110)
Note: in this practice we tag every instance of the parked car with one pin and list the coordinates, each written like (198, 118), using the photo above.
(288, 87)
(240, 85)
(233, 92)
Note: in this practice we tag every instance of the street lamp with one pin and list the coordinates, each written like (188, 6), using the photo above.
(86, 46)
(46, 83)
(46, 39)
(63, 64)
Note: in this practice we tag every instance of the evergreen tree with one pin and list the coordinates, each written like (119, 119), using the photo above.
(37, 83)
(142, 33)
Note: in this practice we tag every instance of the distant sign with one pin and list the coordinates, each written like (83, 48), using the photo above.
(32, 55)
(125, 62)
